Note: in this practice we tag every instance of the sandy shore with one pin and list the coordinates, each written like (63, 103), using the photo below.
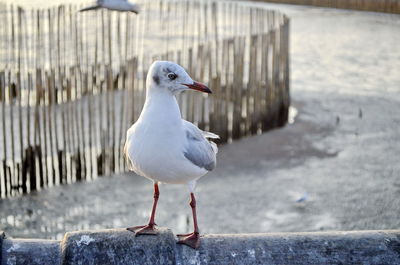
(342, 151)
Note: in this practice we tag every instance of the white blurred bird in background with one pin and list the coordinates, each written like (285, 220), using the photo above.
(117, 5)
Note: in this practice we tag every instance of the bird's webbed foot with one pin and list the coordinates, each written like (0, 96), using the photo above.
(149, 229)
(192, 240)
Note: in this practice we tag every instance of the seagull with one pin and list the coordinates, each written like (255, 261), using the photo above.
(165, 148)
(118, 5)
(303, 198)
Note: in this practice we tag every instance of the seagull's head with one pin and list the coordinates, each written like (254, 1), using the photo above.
(168, 76)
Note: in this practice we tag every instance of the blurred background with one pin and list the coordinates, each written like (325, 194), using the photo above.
(306, 101)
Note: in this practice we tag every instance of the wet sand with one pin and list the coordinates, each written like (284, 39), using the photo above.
(342, 151)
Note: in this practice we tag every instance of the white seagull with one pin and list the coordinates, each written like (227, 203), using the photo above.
(118, 5)
(165, 148)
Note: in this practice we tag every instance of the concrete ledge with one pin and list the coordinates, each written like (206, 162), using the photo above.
(364, 247)
(2, 237)
(30, 251)
(118, 246)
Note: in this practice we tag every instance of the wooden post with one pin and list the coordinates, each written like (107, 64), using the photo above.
(3, 180)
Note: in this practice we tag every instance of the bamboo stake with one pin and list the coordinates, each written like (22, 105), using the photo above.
(37, 133)
(4, 181)
(121, 115)
(19, 95)
(47, 115)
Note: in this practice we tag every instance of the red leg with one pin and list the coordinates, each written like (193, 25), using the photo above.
(150, 228)
(193, 239)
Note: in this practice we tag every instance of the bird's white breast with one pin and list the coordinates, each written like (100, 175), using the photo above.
(155, 147)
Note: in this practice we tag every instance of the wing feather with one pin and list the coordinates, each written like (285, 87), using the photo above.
(199, 150)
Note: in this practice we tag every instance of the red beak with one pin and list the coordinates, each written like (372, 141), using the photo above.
(199, 87)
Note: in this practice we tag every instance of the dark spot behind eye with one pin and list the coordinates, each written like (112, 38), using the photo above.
(156, 79)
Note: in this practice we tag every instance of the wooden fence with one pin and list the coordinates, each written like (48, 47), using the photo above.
(387, 6)
(72, 83)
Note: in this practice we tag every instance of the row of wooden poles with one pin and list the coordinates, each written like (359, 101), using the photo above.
(387, 6)
(71, 84)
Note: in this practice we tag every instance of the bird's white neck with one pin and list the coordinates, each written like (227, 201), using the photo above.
(161, 105)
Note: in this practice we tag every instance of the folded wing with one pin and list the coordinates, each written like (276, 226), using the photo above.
(199, 150)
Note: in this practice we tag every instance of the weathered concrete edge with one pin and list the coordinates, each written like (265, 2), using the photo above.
(227, 248)
(118, 246)
(341, 247)
(2, 237)
(30, 251)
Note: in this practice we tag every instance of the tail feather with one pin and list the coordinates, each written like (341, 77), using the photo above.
(214, 147)
(210, 135)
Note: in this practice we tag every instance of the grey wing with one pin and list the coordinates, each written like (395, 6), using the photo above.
(199, 150)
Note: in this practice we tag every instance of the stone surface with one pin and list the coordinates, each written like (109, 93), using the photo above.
(30, 251)
(363, 247)
(2, 236)
(118, 246)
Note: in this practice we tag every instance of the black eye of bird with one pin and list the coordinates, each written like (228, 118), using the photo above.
(172, 76)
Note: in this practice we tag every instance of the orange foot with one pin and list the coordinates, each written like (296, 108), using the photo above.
(144, 230)
(192, 240)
